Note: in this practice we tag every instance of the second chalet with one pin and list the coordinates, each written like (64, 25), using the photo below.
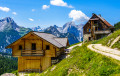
(37, 51)
(97, 27)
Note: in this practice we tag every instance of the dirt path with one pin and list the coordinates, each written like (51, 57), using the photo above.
(117, 39)
(105, 50)
(70, 48)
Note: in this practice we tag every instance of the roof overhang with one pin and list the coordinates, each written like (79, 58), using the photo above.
(94, 19)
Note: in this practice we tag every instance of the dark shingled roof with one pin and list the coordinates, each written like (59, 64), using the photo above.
(62, 41)
(107, 23)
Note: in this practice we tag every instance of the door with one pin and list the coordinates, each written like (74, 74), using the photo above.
(33, 65)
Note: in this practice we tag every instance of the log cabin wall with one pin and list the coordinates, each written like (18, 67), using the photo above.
(40, 44)
(31, 62)
(37, 51)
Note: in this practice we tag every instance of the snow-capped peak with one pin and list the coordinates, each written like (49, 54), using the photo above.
(8, 23)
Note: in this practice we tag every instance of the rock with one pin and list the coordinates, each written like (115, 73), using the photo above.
(8, 74)
(67, 56)
(53, 68)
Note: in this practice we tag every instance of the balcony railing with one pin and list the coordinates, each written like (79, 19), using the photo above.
(32, 53)
(102, 32)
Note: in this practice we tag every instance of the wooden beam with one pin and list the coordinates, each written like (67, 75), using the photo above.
(40, 65)
(55, 52)
(31, 39)
(91, 28)
(24, 44)
(42, 44)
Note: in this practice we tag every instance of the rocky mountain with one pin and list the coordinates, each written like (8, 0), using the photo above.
(53, 30)
(7, 24)
(10, 32)
(70, 30)
(38, 28)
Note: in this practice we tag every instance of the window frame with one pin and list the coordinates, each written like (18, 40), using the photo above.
(33, 46)
(47, 47)
(20, 47)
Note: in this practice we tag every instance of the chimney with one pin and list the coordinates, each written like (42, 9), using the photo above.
(93, 13)
(99, 15)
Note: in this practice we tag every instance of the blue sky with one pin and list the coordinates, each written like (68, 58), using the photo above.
(31, 13)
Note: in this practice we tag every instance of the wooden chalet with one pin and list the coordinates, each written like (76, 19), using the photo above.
(96, 28)
(37, 51)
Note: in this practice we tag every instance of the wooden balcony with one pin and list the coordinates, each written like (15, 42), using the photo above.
(103, 32)
(32, 53)
(58, 53)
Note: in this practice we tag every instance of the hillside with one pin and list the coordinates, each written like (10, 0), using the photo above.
(83, 61)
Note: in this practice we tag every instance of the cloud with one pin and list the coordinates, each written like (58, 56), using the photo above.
(78, 15)
(70, 6)
(5, 9)
(45, 7)
(30, 19)
(33, 10)
(60, 3)
(14, 13)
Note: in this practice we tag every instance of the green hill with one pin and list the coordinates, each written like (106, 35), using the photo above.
(83, 61)
(117, 26)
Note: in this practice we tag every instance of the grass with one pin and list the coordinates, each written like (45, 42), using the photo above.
(83, 61)
(15, 72)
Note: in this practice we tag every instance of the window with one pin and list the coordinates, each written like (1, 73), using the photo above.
(47, 47)
(95, 22)
(20, 47)
(33, 46)
(89, 30)
(96, 28)
(89, 38)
